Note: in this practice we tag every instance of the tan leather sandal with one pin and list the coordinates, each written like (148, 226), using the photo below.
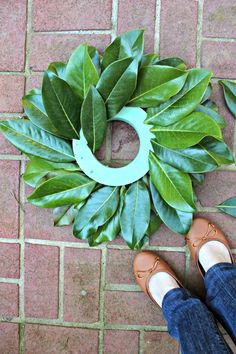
(146, 264)
(202, 231)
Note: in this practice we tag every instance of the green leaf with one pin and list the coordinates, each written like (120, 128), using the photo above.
(62, 105)
(176, 220)
(174, 186)
(156, 84)
(184, 102)
(117, 83)
(197, 178)
(94, 55)
(228, 207)
(58, 68)
(100, 207)
(218, 150)
(61, 190)
(193, 159)
(213, 114)
(129, 44)
(229, 88)
(35, 111)
(111, 229)
(31, 140)
(188, 131)
(207, 93)
(94, 119)
(80, 71)
(37, 168)
(154, 224)
(174, 62)
(64, 215)
(135, 215)
(149, 59)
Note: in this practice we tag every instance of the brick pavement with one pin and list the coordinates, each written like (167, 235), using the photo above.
(56, 294)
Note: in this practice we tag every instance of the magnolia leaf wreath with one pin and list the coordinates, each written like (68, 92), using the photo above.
(65, 123)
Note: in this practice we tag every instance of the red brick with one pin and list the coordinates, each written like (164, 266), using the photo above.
(35, 81)
(11, 92)
(59, 15)
(12, 40)
(5, 146)
(228, 131)
(9, 191)
(165, 237)
(82, 276)
(219, 18)
(159, 343)
(125, 141)
(47, 47)
(9, 260)
(55, 340)
(9, 338)
(123, 260)
(178, 29)
(217, 187)
(219, 57)
(138, 14)
(9, 300)
(123, 342)
(41, 281)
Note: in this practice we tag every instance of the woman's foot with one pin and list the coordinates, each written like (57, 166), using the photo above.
(154, 276)
(207, 244)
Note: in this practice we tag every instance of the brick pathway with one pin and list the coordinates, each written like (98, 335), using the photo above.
(56, 294)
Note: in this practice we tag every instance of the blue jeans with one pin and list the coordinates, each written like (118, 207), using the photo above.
(193, 323)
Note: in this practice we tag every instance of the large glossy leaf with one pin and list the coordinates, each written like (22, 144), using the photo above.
(228, 206)
(117, 83)
(218, 150)
(193, 159)
(129, 44)
(176, 220)
(135, 215)
(36, 142)
(213, 114)
(174, 62)
(35, 111)
(149, 59)
(111, 229)
(156, 84)
(154, 224)
(64, 215)
(188, 131)
(207, 94)
(37, 168)
(174, 186)
(94, 119)
(61, 190)
(95, 57)
(62, 105)
(184, 102)
(80, 71)
(229, 88)
(100, 207)
(58, 68)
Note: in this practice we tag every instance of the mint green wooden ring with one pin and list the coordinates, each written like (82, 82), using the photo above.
(123, 175)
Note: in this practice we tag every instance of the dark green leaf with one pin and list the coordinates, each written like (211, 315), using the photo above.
(184, 102)
(207, 93)
(228, 206)
(229, 88)
(156, 84)
(34, 109)
(129, 44)
(117, 83)
(218, 150)
(31, 140)
(100, 207)
(193, 159)
(37, 168)
(197, 178)
(58, 68)
(61, 190)
(174, 62)
(176, 220)
(94, 55)
(213, 114)
(188, 131)
(149, 59)
(174, 186)
(94, 119)
(64, 215)
(154, 224)
(135, 215)
(62, 105)
(80, 71)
